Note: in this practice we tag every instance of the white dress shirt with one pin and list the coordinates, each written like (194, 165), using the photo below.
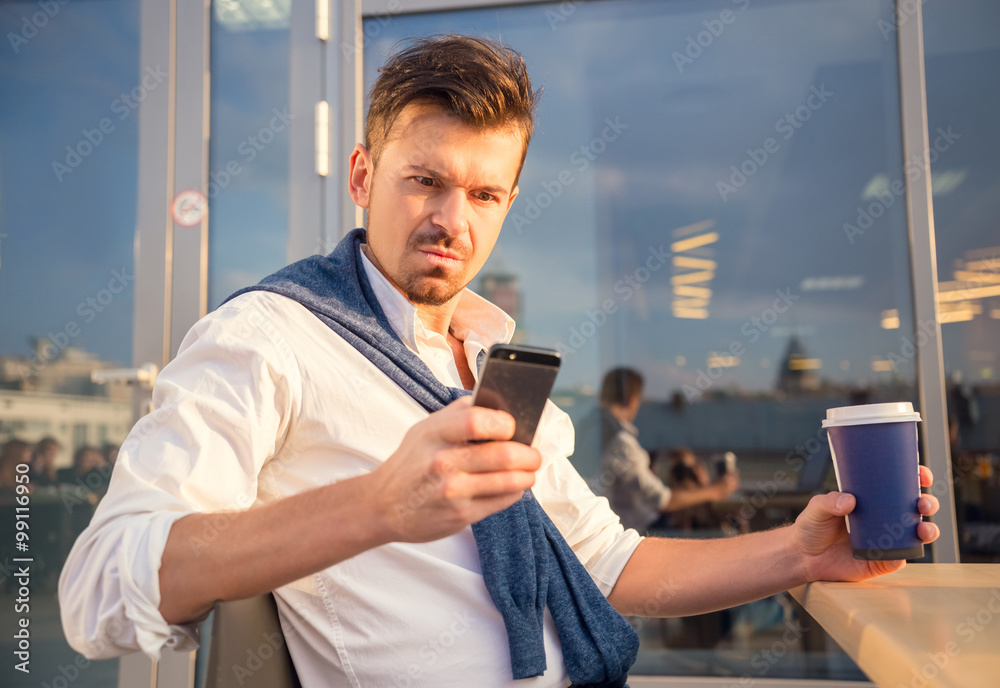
(264, 401)
(636, 494)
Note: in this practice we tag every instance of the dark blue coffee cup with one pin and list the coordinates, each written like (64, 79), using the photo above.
(876, 459)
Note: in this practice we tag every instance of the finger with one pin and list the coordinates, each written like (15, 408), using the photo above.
(465, 486)
(472, 423)
(495, 456)
(926, 477)
(927, 531)
(928, 505)
(486, 506)
(829, 506)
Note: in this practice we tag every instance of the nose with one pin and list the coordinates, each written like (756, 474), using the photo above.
(452, 212)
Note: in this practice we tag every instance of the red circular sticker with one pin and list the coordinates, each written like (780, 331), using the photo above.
(188, 208)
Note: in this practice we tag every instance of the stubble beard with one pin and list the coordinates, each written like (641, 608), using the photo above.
(442, 289)
(433, 287)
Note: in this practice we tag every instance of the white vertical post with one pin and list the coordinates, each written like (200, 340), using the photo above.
(923, 262)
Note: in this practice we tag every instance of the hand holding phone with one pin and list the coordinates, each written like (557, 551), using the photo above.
(725, 464)
(518, 380)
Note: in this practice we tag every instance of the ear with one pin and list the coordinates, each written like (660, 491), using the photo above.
(510, 199)
(359, 180)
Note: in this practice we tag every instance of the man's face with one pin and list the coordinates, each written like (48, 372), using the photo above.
(436, 200)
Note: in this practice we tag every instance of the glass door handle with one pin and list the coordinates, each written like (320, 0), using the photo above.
(143, 375)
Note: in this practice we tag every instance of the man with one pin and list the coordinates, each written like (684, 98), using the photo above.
(283, 456)
(635, 492)
(43, 462)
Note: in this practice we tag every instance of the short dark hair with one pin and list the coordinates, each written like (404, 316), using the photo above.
(620, 386)
(43, 446)
(481, 82)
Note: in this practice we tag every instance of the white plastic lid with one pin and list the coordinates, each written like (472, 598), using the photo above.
(895, 412)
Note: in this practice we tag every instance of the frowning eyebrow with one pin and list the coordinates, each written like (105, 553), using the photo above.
(428, 172)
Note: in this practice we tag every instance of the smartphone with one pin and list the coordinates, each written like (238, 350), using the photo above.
(517, 379)
(725, 464)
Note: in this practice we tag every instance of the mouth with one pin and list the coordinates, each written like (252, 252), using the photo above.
(441, 257)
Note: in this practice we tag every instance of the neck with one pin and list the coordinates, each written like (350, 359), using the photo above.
(437, 318)
(620, 412)
(434, 318)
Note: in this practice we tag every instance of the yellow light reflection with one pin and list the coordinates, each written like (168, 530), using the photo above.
(699, 292)
(805, 364)
(717, 361)
(693, 277)
(890, 319)
(977, 277)
(690, 303)
(989, 265)
(694, 242)
(882, 366)
(692, 313)
(688, 230)
(959, 294)
(956, 316)
(693, 263)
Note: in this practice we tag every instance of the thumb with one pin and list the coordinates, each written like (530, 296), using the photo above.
(829, 506)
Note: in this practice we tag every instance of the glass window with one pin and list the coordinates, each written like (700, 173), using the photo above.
(248, 149)
(713, 198)
(70, 86)
(962, 51)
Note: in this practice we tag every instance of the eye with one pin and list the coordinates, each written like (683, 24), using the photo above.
(425, 181)
(486, 197)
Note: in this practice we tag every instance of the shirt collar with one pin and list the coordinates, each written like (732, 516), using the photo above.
(476, 321)
(615, 422)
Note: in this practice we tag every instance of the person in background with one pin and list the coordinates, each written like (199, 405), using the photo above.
(89, 468)
(110, 451)
(688, 472)
(12, 453)
(43, 462)
(636, 494)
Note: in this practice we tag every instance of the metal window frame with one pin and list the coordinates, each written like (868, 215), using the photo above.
(923, 269)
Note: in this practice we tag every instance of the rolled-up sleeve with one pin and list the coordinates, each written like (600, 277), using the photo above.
(591, 528)
(222, 408)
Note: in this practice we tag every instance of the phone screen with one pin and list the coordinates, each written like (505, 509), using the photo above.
(518, 382)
